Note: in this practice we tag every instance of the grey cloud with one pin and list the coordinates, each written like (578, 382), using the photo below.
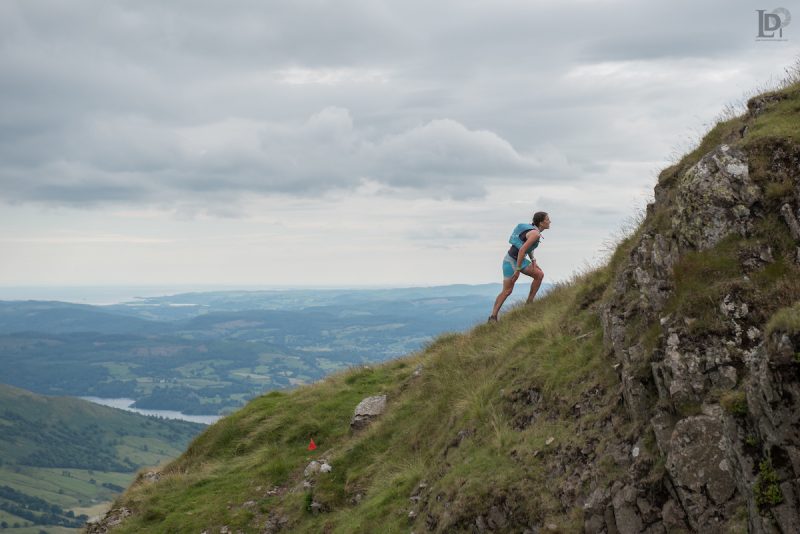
(151, 101)
(135, 159)
(445, 155)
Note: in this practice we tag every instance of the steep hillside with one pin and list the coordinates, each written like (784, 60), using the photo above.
(659, 393)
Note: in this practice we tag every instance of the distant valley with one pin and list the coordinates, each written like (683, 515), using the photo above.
(207, 353)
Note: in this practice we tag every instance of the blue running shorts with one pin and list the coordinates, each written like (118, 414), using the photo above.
(510, 265)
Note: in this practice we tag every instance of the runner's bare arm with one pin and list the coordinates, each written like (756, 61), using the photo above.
(533, 235)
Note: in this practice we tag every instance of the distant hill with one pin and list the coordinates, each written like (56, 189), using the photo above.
(65, 317)
(60, 455)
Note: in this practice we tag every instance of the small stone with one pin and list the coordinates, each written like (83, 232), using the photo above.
(151, 476)
(325, 468)
(412, 515)
(312, 468)
(497, 518)
(550, 440)
(635, 452)
(753, 333)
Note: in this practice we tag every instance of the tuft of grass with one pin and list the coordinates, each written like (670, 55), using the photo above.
(785, 320)
(593, 286)
(734, 402)
(779, 120)
(739, 522)
(702, 279)
(766, 490)
(688, 408)
(777, 192)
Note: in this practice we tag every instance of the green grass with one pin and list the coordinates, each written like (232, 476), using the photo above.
(785, 320)
(779, 192)
(766, 490)
(702, 279)
(780, 120)
(734, 402)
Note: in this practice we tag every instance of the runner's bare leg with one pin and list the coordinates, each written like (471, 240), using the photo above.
(537, 274)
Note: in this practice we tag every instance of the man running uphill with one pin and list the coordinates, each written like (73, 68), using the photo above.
(524, 239)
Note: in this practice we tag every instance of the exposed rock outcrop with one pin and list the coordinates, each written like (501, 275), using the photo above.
(112, 519)
(723, 462)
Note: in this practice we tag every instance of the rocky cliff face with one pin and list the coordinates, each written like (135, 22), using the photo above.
(707, 368)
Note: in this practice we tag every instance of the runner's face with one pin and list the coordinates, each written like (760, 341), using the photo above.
(545, 223)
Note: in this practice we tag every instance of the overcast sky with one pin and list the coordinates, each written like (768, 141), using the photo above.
(350, 142)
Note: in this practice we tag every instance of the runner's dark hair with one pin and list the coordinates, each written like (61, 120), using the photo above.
(538, 217)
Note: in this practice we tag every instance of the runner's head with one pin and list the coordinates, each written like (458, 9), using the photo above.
(541, 220)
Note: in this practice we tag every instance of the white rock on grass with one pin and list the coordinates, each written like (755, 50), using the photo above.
(367, 410)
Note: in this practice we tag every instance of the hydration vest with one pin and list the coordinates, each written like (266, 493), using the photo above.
(517, 241)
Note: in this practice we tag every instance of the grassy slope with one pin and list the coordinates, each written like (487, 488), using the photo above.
(476, 381)
(469, 382)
